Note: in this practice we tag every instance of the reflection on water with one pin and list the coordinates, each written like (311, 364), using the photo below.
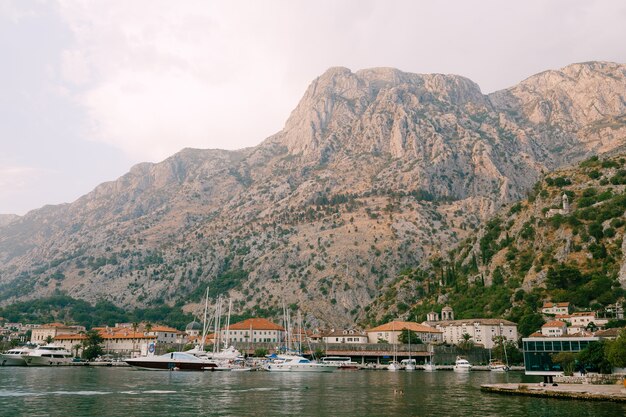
(126, 392)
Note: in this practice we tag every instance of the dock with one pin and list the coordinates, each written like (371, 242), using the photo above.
(615, 393)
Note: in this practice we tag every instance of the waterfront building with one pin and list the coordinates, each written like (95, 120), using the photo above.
(555, 308)
(73, 342)
(254, 330)
(481, 331)
(539, 350)
(165, 334)
(390, 332)
(345, 336)
(40, 334)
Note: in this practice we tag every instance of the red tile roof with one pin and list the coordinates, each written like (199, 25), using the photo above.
(555, 323)
(255, 324)
(400, 325)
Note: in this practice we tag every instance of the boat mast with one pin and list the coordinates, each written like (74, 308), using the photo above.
(205, 326)
(218, 311)
(227, 340)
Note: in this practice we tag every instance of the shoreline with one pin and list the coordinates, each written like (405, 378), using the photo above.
(614, 393)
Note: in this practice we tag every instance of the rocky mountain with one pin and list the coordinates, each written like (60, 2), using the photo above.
(7, 218)
(374, 171)
(564, 243)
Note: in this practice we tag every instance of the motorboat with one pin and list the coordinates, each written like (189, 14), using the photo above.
(344, 363)
(48, 355)
(14, 357)
(173, 361)
(498, 366)
(296, 363)
(462, 365)
(409, 364)
(394, 366)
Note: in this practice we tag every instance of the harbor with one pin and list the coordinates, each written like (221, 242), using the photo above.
(110, 391)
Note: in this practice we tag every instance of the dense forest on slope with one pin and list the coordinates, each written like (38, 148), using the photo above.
(531, 252)
(65, 309)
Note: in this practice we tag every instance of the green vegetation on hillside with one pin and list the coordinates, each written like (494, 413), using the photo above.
(562, 255)
(65, 309)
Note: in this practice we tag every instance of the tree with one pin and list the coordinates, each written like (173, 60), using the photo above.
(616, 351)
(76, 349)
(260, 352)
(530, 323)
(49, 339)
(467, 343)
(148, 327)
(406, 335)
(594, 358)
(319, 353)
(566, 360)
(92, 348)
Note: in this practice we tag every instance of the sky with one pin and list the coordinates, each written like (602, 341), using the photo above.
(90, 88)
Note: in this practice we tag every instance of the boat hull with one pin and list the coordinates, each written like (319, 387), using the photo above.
(46, 361)
(462, 369)
(170, 365)
(299, 368)
(12, 360)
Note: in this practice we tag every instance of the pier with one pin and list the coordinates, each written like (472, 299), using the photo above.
(615, 393)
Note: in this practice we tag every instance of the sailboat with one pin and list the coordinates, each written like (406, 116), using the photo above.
(430, 366)
(410, 363)
(394, 365)
(497, 365)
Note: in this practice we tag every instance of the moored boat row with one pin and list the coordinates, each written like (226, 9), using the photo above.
(47, 355)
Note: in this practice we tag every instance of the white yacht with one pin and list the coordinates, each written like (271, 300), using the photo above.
(462, 365)
(48, 355)
(14, 357)
(295, 363)
(409, 364)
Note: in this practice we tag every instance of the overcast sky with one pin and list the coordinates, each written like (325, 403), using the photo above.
(89, 88)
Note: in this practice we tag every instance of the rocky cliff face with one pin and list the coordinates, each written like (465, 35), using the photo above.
(374, 171)
(564, 243)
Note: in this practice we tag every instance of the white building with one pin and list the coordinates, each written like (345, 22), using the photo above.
(254, 330)
(345, 336)
(165, 334)
(577, 322)
(555, 308)
(117, 341)
(41, 333)
(390, 332)
(554, 328)
(481, 331)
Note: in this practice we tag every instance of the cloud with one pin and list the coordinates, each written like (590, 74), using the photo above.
(155, 76)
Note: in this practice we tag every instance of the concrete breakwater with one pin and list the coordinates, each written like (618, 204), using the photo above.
(616, 393)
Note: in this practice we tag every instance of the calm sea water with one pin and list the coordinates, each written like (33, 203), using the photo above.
(83, 391)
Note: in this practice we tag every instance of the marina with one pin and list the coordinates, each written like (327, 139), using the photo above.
(110, 391)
